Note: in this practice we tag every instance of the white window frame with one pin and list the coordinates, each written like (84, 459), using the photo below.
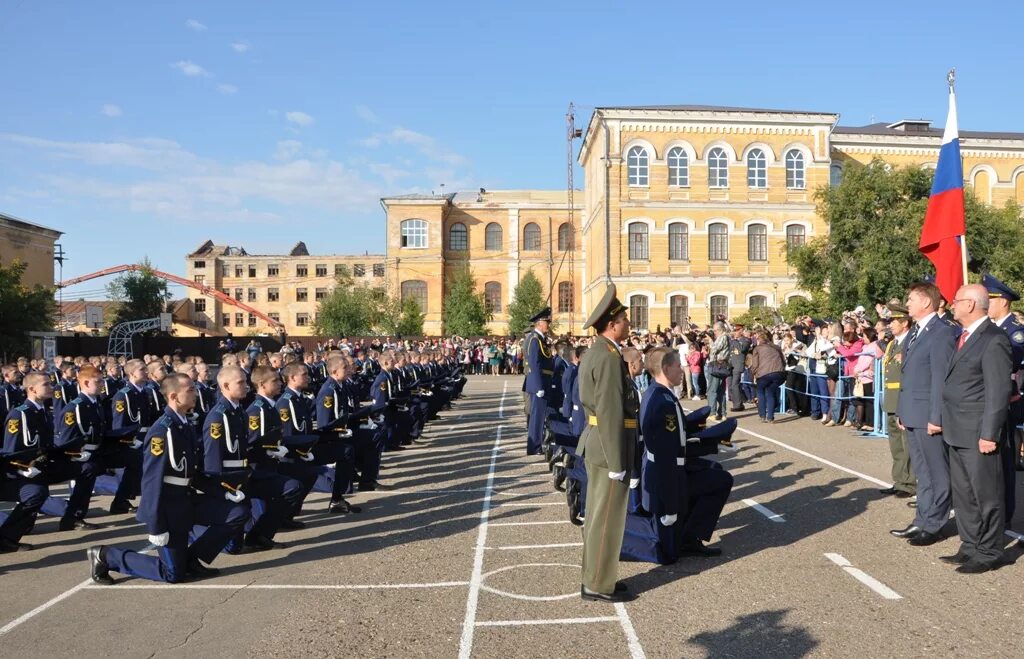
(757, 170)
(796, 170)
(414, 234)
(718, 168)
(638, 167)
(678, 161)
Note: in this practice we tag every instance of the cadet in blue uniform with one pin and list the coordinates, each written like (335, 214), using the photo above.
(1000, 296)
(538, 381)
(131, 418)
(171, 505)
(81, 428)
(11, 393)
(156, 371)
(336, 446)
(685, 494)
(64, 391)
(28, 435)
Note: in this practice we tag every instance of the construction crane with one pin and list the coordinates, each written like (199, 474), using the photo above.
(202, 288)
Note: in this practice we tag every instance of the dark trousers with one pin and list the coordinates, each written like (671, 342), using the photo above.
(796, 398)
(281, 497)
(84, 474)
(708, 486)
(736, 397)
(768, 394)
(931, 466)
(369, 444)
(29, 496)
(1009, 453)
(977, 484)
(902, 475)
(336, 451)
(535, 427)
(123, 456)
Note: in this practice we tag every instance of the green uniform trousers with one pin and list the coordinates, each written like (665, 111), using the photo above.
(603, 529)
(902, 475)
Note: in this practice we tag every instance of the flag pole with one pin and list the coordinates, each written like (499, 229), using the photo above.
(951, 81)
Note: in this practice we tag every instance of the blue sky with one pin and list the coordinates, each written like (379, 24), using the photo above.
(144, 128)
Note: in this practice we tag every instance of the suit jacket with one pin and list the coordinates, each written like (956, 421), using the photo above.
(608, 396)
(923, 375)
(977, 388)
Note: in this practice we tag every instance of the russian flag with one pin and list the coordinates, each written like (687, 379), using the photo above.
(943, 233)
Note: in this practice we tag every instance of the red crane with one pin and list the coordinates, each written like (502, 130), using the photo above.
(202, 288)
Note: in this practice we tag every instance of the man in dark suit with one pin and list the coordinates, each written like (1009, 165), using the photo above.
(974, 410)
(926, 354)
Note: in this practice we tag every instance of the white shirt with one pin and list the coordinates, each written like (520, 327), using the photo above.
(999, 323)
(923, 323)
(970, 330)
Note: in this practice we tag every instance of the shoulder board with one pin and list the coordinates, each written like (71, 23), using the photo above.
(124, 390)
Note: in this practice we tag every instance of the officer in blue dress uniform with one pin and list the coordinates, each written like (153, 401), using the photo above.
(28, 435)
(1000, 297)
(171, 505)
(538, 380)
(333, 407)
(685, 494)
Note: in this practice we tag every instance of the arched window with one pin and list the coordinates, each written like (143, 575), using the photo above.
(757, 242)
(795, 179)
(678, 167)
(638, 242)
(492, 297)
(757, 169)
(638, 311)
(758, 301)
(679, 311)
(678, 242)
(718, 168)
(458, 237)
(566, 297)
(796, 235)
(637, 166)
(835, 174)
(718, 242)
(492, 237)
(719, 307)
(565, 241)
(1018, 189)
(531, 237)
(415, 289)
(414, 233)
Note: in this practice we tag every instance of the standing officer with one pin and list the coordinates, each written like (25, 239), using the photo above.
(1000, 296)
(538, 380)
(608, 448)
(739, 347)
(903, 483)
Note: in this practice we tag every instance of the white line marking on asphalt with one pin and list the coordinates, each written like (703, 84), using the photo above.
(552, 546)
(469, 623)
(539, 503)
(217, 586)
(560, 521)
(864, 578)
(636, 651)
(549, 621)
(501, 405)
(775, 517)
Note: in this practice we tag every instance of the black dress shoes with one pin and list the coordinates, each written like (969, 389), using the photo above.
(10, 546)
(122, 507)
(196, 568)
(900, 494)
(342, 507)
(924, 539)
(908, 532)
(697, 548)
(974, 567)
(888, 491)
(614, 598)
(73, 523)
(99, 569)
(292, 524)
(958, 558)
(260, 543)
(621, 587)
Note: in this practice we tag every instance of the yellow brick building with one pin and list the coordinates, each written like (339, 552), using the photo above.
(500, 235)
(30, 243)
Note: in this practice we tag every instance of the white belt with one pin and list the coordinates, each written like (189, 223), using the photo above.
(235, 463)
(176, 480)
(679, 461)
(90, 447)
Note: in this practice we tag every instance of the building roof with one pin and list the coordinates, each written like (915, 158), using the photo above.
(25, 224)
(209, 249)
(706, 108)
(894, 130)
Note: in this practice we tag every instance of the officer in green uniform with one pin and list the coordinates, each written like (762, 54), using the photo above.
(608, 449)
(904, 485)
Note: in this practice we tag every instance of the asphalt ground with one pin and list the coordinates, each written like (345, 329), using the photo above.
(470, 553)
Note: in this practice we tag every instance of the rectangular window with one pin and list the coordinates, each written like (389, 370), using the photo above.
(239, 319)
(273, 270)
(225, 319)
(301, 271)
(378, 269)
(321, 270)
(199, 264)
(301, 319)
(199, 279)
(225, 270)
(252, 320)
(320, 294)
(273, 294)
(238, 293)
(359, 270)
(238, 271)
(251, 295)
(757, 243)
(200, 304)
(301, 294)
(252, 270)
(339, 269)
(274, 316)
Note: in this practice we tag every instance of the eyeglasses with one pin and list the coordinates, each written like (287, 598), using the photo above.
(964, 299)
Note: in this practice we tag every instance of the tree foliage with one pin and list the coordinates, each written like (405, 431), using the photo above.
(527, 300)
(870, 253)
(140, 295)
(22, 310)
(353, 309)
(465, 312)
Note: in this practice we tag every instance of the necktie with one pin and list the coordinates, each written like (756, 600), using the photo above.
(912, 337)
(963, 340)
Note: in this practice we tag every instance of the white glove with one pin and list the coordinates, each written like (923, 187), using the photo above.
(31, 472)
(237, 496)
(136, 443)
(616, 475)
(540, 394)
(278, 452)
(634, 483)
(308, 457)
(668, 520)
(160, 540)
(575, 407)
(345, 434)
(83, 457)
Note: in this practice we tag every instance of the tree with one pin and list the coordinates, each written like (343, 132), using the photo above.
(358, 310)
(870, 253)
(410, 322)
(140, 295)
(527, 301)
(24, 310)
(465, 312)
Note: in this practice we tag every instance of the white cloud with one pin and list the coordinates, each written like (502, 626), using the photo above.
(298, 118)
(195, 25)
(111, 110)
(240, 46)
(366, 114)
(191, 69)
(287, 150)
(227, 89)
(425, 144)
